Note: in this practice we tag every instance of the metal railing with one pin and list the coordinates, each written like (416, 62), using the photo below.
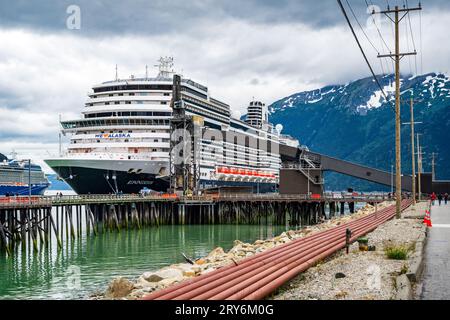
(24, 201)
(303, 168)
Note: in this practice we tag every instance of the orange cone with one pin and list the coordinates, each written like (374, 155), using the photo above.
(427, 218)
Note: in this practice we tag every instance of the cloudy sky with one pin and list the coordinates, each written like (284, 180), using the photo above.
(266, 49)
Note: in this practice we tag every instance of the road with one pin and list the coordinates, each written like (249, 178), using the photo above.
(436, 276)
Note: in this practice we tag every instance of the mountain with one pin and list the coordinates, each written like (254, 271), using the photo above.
(355, 122)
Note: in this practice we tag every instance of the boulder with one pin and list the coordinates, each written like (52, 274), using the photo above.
(200, 261)
(170, 273)
(216, 252)
(237, 242)
(119, 288)
(190, 273)
(182, 266)
(291, 233)
(151, 277)
(169, 281)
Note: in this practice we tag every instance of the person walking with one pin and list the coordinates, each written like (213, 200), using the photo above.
(433, 198)
(439, 198)
(445, 198)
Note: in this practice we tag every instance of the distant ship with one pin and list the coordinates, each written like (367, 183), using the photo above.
(122, 143)
(16, 177)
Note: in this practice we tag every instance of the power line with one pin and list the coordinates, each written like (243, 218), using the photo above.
(382, 41)
(412, 36)
(362, 50)
(410, 27)
(378, 30)
(420, 35)
(365, 34)
(407, 40)
(357, 21)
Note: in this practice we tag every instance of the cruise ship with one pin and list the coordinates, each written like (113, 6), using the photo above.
(122, 142)
(17, 176)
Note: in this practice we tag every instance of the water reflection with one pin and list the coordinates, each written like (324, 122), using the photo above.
(50, 273)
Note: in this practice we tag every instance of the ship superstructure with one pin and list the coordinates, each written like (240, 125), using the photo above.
(122, 143)
(20, 178)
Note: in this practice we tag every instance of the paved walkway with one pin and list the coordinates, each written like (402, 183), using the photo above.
(436, 276)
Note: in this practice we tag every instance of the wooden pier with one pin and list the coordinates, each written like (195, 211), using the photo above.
(37, 220)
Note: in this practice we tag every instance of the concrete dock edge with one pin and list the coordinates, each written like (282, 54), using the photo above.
(404, 282)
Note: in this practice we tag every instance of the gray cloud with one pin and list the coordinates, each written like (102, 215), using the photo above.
(167, 16)
(262, 49)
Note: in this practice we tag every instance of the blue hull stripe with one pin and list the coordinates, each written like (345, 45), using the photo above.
(36, 190)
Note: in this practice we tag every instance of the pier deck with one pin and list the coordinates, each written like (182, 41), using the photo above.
(39, 219)
(74, 200)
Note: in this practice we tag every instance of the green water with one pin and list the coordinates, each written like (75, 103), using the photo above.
(86, 265)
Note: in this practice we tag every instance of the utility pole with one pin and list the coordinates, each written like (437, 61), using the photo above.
(392, 179)
(433, 176)
(413, 158)
(396, 57)
(419, 166)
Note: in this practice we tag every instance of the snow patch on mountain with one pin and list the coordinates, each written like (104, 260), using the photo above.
(377, 98)
(361, 96)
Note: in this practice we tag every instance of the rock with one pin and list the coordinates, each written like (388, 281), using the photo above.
(169, 281)
(190, 273)
(208, 270)
(119, 288)
(237, 243)
(258, 242)
(200, 261)
(291, 234)
(151, 277)
(339, 275)
(182, 266)
(170, 273)
(284, 239)
(216, 252)
(269, 245)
